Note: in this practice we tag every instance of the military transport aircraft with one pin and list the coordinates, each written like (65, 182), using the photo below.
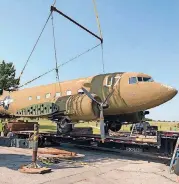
(128, 94)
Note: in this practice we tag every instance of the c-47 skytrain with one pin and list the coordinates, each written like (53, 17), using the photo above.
(131, 94)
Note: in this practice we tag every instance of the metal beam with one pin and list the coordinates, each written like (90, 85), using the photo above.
(87, 30)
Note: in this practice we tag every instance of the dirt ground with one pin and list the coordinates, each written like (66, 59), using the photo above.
(95, 167)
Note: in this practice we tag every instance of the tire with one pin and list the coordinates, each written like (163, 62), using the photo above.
(64, 127)
(115, 127)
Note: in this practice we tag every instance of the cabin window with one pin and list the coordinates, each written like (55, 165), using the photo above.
(47, 95)
(133, 80)
(57, 94)
(109, 81)
(30, 98)
(38, 97)
(68, 92)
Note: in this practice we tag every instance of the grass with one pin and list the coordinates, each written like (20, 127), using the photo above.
(48, 126)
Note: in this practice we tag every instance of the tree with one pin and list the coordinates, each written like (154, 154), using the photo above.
(148, 119)
(7, 76)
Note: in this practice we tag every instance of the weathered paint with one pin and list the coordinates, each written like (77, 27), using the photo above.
(127, 98)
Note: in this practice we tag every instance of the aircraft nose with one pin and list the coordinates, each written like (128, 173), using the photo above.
(167, 92)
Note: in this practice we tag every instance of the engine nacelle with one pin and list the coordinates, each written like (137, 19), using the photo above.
(78, 107)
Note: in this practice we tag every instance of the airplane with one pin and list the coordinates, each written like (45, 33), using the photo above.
(130, 95)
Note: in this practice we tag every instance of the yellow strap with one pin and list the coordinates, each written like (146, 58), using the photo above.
(97, 19)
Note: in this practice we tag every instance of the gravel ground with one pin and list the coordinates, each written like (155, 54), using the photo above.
(95, 167)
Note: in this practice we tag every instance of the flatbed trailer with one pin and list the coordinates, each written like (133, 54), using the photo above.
(161, 145)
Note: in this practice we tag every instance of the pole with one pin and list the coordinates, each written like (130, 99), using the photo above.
(34, 168)
(35, 145)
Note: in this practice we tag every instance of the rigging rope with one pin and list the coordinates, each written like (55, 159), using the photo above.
(34, 46)
(97, 20)
(56, 69)
(77, 56)
(100, 32)
(56, 61)
(54, 3)
(102, 56)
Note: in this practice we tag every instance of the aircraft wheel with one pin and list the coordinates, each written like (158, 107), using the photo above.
(64, 127)
(115, 127)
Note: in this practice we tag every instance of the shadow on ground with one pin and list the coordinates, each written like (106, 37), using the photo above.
(15, 161)
(92, 156)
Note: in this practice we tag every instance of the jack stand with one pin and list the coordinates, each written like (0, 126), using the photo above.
(34, 168)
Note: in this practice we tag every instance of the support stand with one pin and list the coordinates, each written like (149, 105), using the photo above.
(34, 168)
(132, 130)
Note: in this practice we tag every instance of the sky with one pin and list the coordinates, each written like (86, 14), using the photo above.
(139, 36)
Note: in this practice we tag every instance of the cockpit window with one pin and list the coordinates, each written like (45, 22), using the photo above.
(140, 79)
(147, 79)
(133, 80)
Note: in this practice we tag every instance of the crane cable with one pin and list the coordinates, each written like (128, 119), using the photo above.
(34, 47)
(56, 61)
(77, 56)
(57, 66)
(97, 20)
(100, 32)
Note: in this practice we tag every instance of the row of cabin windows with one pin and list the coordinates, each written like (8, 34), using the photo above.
(56, 95)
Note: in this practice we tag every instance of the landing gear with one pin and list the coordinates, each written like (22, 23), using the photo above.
(64, 126)
(115, 127)
(106, 128)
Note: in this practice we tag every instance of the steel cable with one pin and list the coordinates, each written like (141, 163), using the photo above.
(77, 56)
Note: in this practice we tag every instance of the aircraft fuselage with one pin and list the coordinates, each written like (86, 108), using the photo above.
(133, 92)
